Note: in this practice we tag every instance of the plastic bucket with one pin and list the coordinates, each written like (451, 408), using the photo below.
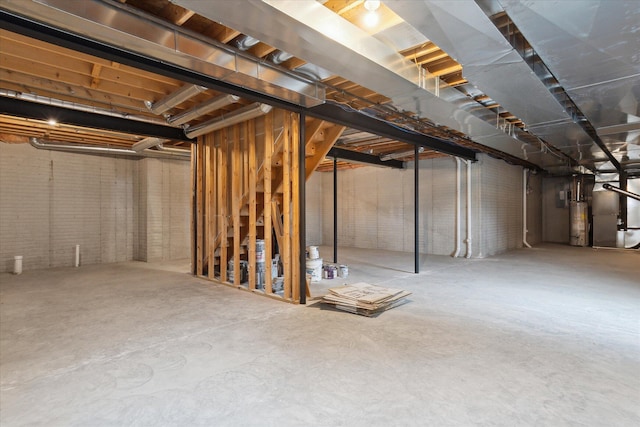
(343, 271)
(313, 252)
(314, 268)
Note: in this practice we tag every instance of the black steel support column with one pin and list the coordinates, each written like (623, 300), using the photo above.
(623, 201)
(335, 209)
(416, 209)
(194, 208)
(302, 179)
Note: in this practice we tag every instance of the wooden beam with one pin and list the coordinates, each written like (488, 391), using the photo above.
(268, 243)
(321, 149)
(250, 137)
(211, 203)
(286, 206)
(294, 241)
(236, 194)
(223, 191)
(199, 206)
(95, 75)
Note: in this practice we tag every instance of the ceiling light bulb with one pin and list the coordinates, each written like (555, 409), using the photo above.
(372, 5)
(371, 19)
(52, 122)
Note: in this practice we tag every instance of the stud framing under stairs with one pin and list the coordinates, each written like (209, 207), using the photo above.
(248, 184)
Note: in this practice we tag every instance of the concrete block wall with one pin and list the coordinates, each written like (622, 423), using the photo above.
(376, 207)
(313, 207)
(534, 209)
(51, 201)
(164, 210)
(497, 206)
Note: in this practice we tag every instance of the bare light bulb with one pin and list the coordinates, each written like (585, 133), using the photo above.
(371, 19)
(372, 5)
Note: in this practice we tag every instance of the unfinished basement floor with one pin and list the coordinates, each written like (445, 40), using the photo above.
(548, 336)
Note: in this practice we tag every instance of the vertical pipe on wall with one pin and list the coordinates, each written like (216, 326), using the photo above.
(302, 235)
(524, 208)
(457, 237)
(416, 209)
(623, 201)
(77, 263)
(335, 209)
(468, 239)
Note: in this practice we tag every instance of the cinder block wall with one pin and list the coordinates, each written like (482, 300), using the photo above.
(376, 208)
(497, 205)
(313, 207)
(164, 209)
(51, 201)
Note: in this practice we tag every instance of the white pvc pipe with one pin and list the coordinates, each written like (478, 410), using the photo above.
(457, 237)
(524, 208)
(468, 240)
(17, 264)
(77, 264)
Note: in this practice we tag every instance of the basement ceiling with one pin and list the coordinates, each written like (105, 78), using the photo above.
(508, 92)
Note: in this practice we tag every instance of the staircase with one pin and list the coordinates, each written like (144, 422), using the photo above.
(264, 206)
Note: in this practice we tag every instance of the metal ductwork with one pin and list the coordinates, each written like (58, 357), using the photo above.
(592, 50)
(181, 95)
(118, 25)
(279, 56)
(491, 64)
(148, 142)
(85, 149)
(333, 43)
(202, 109)
(245, 42)
(243, 114)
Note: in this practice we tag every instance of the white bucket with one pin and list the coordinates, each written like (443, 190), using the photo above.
(313, 252)
(17, 264)
(314, 268)
(343, 271)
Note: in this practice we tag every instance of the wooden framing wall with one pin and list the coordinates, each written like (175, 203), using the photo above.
(246, 182)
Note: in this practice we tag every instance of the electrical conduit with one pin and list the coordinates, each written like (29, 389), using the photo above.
(457, 237)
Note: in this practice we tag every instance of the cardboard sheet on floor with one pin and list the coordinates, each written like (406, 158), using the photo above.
(364, 298)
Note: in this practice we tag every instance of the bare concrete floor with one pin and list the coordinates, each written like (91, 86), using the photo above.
(548, 336)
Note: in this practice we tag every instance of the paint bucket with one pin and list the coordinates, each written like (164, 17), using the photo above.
(260, 256)
(313, 252)
(343, 271)
(330, 271)
(17, 264)
(244, 271)
(278, 284)
(314, 268)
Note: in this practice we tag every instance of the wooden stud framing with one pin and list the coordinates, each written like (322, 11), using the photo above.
(236, 186)
(253, 177)
(286, 206)
(223, 203)
(268, 230)
(212, 194)
(199, 207)
(246, 181)
(294, 242)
